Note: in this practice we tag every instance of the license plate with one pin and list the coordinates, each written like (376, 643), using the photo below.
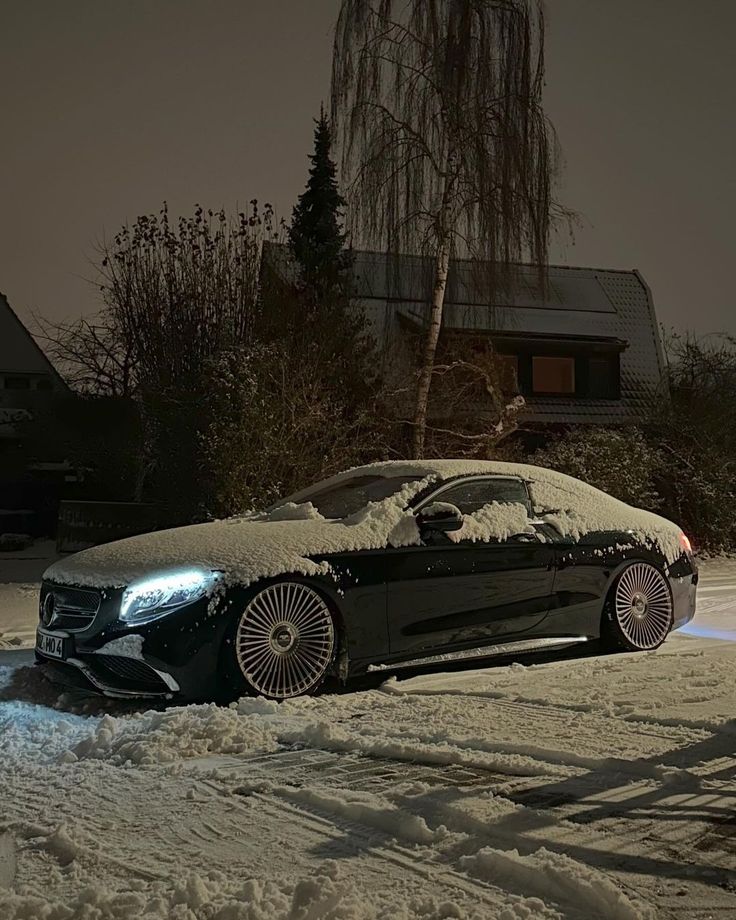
(51, 644)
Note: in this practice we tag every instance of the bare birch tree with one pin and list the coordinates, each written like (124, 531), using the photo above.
(446, 150)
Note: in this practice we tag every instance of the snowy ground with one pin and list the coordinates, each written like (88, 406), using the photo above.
(20, 573)
(589, 787)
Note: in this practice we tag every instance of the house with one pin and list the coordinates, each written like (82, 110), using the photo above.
(588, 351)
(28, 384)
(28, 380)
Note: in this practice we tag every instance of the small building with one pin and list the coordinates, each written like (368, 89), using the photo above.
(587, 351)
(29, 384)
(28, 380)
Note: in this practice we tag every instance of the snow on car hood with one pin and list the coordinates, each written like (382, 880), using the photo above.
(250, 548)
(243, 549)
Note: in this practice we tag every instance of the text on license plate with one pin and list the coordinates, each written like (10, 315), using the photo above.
(50, 645)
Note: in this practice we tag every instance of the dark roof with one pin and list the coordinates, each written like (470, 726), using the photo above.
(19, 351)
(409, 280)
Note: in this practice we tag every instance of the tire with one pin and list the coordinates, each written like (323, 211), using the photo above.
(639, 614)
(284, 642)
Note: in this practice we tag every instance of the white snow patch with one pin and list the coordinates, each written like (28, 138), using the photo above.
(18, 614)
(291, 511)
(556, 877)
(130, 646)
(498, 521)
(397, 746)
(324, 894)
(368, 809)
(165, 737)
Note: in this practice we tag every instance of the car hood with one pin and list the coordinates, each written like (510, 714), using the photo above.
(243, 550)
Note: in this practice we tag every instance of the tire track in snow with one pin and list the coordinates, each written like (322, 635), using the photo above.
(611, 819)
(441, 861)
(359, 837)
(7, 860)
(660, 726)
(427, 865)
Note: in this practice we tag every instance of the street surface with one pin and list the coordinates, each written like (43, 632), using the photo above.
(579, 787)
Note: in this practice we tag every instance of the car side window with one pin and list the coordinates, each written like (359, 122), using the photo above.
(471, 495)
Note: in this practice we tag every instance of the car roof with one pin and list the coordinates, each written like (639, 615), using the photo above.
(443, 469)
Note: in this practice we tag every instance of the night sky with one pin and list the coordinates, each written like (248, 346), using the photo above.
(110, 106)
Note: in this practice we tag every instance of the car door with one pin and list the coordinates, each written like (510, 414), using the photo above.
(443, 595)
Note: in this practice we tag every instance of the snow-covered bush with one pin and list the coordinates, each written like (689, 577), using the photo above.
(277, 423)
(620, 461)
(695, 434)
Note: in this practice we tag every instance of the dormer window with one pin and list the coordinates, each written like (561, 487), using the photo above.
(553, 375)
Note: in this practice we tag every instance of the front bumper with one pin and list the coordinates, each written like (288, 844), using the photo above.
(119, 677)
(175, 656)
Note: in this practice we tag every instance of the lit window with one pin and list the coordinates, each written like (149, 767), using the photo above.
(553, 375)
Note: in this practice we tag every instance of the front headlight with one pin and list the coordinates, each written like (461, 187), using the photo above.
(154, 597)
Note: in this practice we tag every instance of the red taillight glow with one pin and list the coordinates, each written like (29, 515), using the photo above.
(685, 543)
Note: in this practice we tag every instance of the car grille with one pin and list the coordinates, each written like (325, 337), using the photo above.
(69, 608)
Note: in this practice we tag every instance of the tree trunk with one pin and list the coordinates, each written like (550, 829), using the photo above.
(442, 265)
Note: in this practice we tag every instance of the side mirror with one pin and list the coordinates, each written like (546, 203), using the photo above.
(525, 538)
(440, 517)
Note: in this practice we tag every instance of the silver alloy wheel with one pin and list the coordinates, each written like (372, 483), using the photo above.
(643, 606)
(285, 640)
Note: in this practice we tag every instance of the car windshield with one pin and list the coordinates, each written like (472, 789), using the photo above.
(344, 498)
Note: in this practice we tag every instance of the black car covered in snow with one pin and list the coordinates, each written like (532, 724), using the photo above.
(383, 567)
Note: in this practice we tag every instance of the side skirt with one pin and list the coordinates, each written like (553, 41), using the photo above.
(486, 651)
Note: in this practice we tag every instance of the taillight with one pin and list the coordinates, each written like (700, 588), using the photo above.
(685, 543)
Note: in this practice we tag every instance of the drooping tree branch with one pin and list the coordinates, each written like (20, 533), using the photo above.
(446, 151)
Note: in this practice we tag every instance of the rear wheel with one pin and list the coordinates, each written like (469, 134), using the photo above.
(284, 641)
(639, 613)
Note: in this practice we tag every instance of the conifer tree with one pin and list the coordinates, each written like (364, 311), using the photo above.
(316, 237)
(326, 331)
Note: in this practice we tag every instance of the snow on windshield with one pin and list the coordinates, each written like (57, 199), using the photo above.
(343, 498)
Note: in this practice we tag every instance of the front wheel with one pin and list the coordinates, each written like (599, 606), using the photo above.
(284, 641)
(639, 613)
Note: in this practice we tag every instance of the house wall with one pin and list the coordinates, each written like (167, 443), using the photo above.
(25, 391)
